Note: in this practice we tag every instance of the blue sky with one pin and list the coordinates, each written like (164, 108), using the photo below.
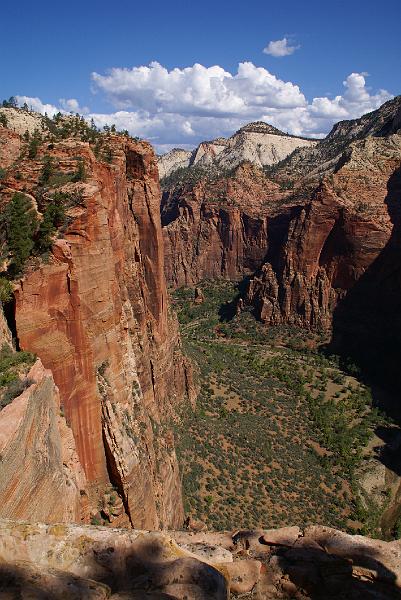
(51, 54)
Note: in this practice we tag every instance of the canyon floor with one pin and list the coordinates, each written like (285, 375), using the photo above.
(283, 432)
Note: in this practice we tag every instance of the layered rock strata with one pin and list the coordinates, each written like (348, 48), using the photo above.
(96, 314)
(217, 228)
(309, 228)
(330, 240)
(41, 476)
(258, 143)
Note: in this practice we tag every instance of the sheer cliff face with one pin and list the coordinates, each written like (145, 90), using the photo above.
(218, 228)
(96, 314)
(308, 229)
(330, 240)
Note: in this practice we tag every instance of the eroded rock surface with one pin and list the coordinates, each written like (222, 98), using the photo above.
(318, 563)
(310, 228)
(258, 143)
(41, 476)
(96, 314)
(217, 228)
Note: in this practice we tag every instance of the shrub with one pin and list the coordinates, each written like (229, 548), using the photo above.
(14, 389)
(33, 144)
(6, 290)
(47, 170)
(80, 174)
(53, 218)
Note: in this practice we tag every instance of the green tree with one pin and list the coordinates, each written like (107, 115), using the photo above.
(80, 174)
(108, 157)
(47, 170)
(53, 218)
(21, 223)
(3, 120)
(34, 143)
(11, 102)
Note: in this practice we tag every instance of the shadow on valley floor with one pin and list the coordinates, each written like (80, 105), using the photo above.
(228, 310)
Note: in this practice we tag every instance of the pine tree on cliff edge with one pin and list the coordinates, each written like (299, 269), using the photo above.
(20, 221)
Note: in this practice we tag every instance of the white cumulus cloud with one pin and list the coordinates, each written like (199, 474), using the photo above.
(356, 100)
(182, 107)
(71, 105)
(280, 48)
(197, 90)
(37, 105)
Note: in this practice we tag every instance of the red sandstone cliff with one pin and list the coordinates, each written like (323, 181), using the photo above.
(331, 239)
(310, 227)
(218, 228)
(96, 314)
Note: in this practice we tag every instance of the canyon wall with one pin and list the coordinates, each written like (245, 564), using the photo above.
(217, 229)
(41, 476)
(303, 232)
(95, 312)
(330, 240)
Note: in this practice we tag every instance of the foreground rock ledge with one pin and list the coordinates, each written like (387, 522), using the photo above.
(59, 561)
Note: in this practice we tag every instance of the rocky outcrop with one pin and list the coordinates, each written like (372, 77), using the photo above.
(310, 227)
(177, 158)
(10, 147)
(41, 476)
(317, 563)
(258, 143)
(218, 228)
(331, 240)
(96, 314)
(368, 321)
(20, 121)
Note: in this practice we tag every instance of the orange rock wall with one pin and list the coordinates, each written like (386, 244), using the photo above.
(217, 229)
(96, 315)
(330, 240)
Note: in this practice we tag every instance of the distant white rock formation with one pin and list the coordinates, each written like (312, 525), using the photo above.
(258, 143)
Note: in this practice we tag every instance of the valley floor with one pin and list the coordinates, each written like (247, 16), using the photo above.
(281, 434)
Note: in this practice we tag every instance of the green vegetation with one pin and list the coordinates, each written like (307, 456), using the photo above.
(20, 222)
(6, 290)
(33, 143)
(25, 235)
(279, 429)
(13, 369)
(80, 174)
(54, 217)
(3, 120)
(47, 170)
(397, 529)
(189, 176)
(10, 103)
